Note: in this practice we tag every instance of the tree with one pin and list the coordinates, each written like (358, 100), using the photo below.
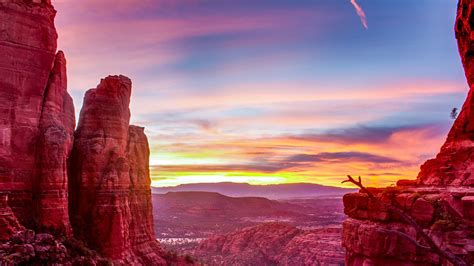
(454, 113)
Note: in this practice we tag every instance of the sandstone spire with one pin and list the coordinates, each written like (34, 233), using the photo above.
(54, 145)
(110, 183)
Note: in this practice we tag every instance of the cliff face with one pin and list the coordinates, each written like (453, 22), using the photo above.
(441, 200)
(105, 191)
(27, 52)
(454, 164)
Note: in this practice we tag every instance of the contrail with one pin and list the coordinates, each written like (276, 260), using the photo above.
(361, 14)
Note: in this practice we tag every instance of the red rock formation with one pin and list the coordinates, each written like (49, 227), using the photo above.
(454, 164)
(273, 244)
(27, 52)
(56, 135)
(439, 211)
(36, 115)
(110, 194)
(110, 184)
(440, 200)
(142, 233)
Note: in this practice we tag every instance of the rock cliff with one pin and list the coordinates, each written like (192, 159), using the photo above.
(97, 176)
(441, 200)
(454, 164)
(27, 51)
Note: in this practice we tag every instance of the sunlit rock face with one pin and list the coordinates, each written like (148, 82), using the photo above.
(110, 184)
(441, 200)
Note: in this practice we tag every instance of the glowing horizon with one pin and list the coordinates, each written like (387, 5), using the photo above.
(266, 92)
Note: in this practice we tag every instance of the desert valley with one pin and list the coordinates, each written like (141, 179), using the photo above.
(204, 224)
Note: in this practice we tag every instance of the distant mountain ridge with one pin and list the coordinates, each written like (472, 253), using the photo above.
(278, 191)
(213, 203)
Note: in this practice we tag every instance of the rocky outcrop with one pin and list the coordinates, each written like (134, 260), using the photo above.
(368, 234)
(107, 184)
(9, 224)
(440, 200)
(273, 244)
(26, 247)
(110, 182)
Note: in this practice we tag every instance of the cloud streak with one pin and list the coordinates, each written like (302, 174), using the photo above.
(361, 14)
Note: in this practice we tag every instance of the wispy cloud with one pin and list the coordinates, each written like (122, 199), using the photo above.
(361, 14)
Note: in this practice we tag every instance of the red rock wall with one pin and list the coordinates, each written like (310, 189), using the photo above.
(27, 52)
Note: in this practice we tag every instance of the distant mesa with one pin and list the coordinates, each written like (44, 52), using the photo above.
(278, 191)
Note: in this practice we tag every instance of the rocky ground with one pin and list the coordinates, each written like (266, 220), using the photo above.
(273, 244)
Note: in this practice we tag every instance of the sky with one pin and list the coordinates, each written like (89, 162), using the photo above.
(274, 91)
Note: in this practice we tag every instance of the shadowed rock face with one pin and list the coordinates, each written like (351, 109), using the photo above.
(9, 225)
(110, 183)
(441, 200)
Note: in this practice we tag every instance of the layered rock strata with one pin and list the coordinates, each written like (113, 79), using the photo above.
(441, 200)
(54, 145)
(27, 51)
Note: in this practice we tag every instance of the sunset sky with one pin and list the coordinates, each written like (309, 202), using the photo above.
(273, 91)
